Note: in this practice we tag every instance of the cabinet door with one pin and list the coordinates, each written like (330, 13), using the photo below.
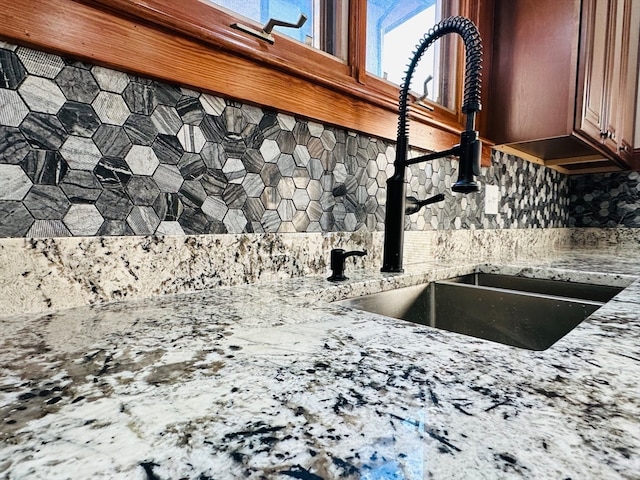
(598, 17)
(614, 81)
(628, 123)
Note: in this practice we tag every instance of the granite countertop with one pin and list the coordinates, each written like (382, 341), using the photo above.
(272, 381)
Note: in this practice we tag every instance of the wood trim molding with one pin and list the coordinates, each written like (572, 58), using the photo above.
(160, 39)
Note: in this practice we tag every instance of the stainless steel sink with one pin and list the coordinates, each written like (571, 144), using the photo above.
(522, 312)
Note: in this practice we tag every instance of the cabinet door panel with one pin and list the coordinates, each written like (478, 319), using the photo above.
(592, 121)
(614, 85)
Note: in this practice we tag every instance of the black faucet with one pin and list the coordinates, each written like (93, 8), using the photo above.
(338, 256)
(469, 149)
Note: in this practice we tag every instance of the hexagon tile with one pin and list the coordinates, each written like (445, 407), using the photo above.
(85, 150)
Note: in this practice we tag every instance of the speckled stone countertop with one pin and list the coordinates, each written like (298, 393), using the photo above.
(272, 381)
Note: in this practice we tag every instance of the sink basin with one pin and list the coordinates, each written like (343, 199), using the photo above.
(518, 311)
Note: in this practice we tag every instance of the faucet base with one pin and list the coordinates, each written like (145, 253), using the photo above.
(337, 278)
(391, 269)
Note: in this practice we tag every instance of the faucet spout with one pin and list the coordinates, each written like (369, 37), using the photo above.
(469, 150)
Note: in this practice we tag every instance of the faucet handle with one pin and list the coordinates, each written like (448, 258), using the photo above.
(338, 257)
(413, 205)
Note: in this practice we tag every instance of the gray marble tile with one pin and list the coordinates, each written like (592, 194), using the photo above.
(14, 146)
(83, 220)
(140, 98)
(253, 185)
(233, 170)
(301, 199)
(212, 105)
(41, 94)
(48, 229)
(286, 187)
(40, 63)
(270, 198)
(13, 73)
(193, 193)
(253, 209)
(214, 182)
(168, 207)
(15, 183)
(170, 228)
(314, 210)
(143, 220)
(213, 155)
(43, 131)
(113, 172)
(114, 204)
(167, 94)
(234, 146)
(75, 63)
(115, 228)
(80, 153)
(214, 208)
(270, 175)
(78, 119)
(45, 167)
(168, 178)
(286, 209)
(213, 128)
(12, 109)
(234, 196)
(47, 202)
(142, 160)
(168, 149)
(111, 108)
(77, 84)
(235, 221)
(253, 161)
(191, 166)
(112, 141)
(110, 80)
(166, 120)
(193, 221)
(81, 186)
(140, 129)
(234, 120)
(301, 133)
(270, 221)
(286, 165)
(315, 169)
(8, 46)
(270, 126)
(252, 136)
(190, 110)
(15, 219)
(191, 138)
(142, 190)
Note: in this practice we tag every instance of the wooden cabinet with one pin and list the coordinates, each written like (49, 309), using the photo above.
(563, 87)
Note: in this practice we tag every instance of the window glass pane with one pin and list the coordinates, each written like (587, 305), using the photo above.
(394, 29)
(325, 28)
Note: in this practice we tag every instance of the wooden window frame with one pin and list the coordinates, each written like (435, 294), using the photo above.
(192, 44)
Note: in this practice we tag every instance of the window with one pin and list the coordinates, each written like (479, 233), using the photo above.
(394, 29)
(332, 70)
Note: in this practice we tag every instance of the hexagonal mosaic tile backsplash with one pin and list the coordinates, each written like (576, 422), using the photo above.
(608, 200)
(86, 150)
